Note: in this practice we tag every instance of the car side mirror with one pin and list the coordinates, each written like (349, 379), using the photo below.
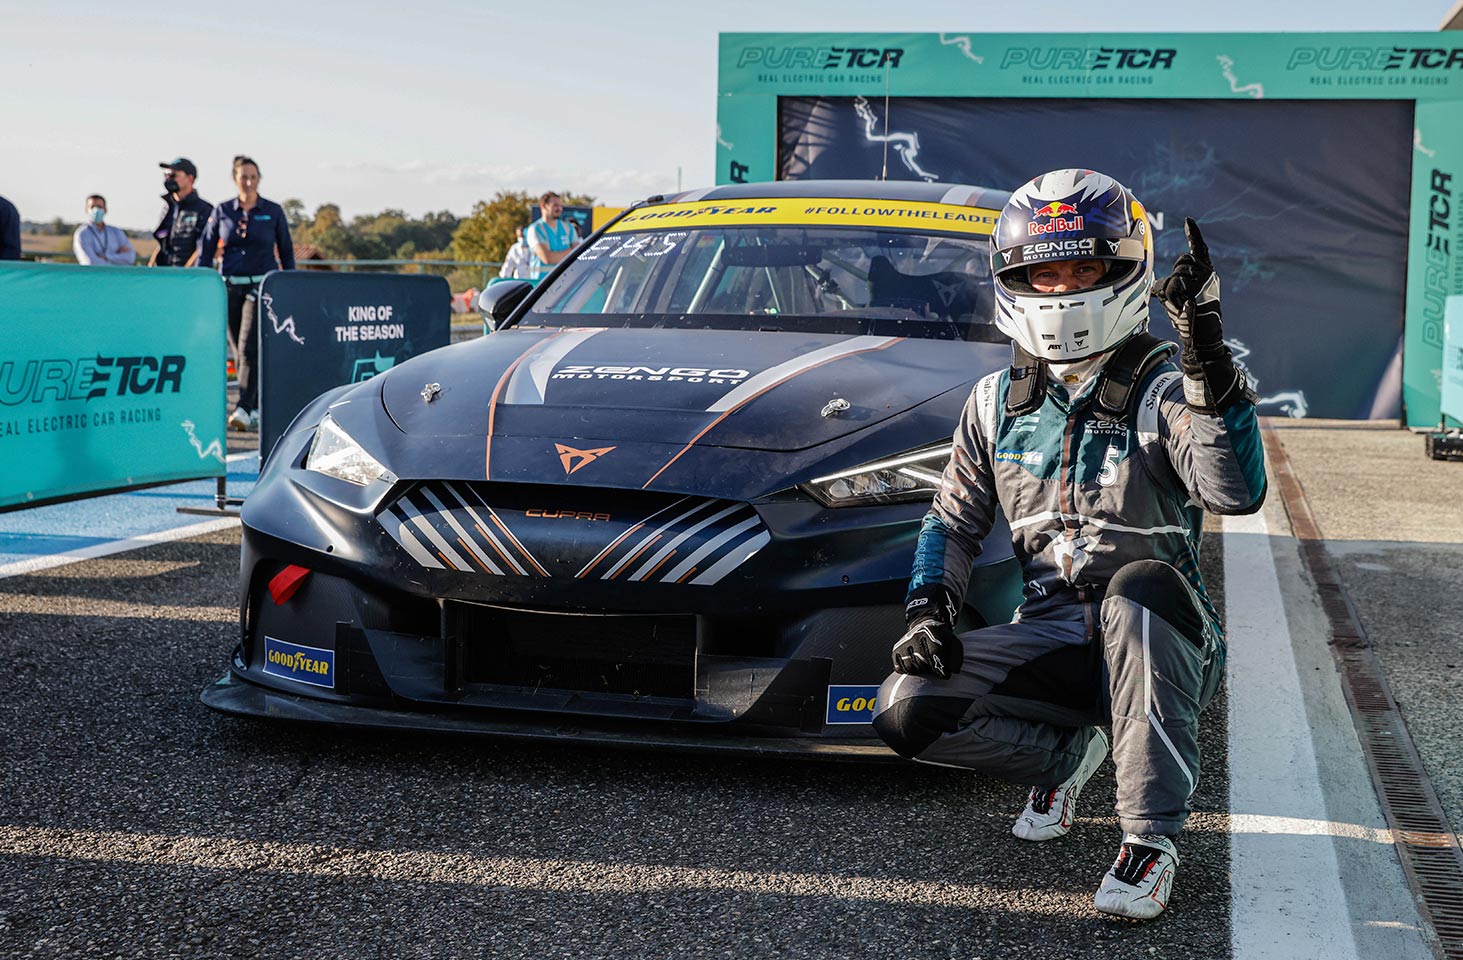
(499, 300)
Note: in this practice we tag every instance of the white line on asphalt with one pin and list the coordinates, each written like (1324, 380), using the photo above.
(1285, 889)
(252, 857)
(34, 564)
(1256, 823)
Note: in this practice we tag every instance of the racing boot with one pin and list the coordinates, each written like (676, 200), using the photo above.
(1141, 879)
(1051, 811)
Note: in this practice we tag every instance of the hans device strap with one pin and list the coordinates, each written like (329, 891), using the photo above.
(1127, 368)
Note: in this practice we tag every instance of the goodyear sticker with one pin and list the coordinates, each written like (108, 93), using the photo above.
(304, 664)
(803, 211)
(847, 704)
(1032, 458)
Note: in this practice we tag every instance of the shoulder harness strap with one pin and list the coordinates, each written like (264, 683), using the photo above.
(1028, 383)
(1120, 376)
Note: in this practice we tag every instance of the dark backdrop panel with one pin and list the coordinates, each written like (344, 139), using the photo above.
(1303, 203)
(323, 329)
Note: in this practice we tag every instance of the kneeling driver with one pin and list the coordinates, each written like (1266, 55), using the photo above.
(1103, 454)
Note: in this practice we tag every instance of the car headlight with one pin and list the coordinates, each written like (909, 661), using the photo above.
(335, 453)
(913, 476)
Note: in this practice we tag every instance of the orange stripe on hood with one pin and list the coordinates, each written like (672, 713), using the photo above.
(497, 392)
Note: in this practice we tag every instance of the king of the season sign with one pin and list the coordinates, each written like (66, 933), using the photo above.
(320, 330)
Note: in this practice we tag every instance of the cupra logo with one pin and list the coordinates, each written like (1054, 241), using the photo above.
(568, 456)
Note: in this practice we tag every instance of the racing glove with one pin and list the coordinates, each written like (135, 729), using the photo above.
(1190, 297)
(930, 646)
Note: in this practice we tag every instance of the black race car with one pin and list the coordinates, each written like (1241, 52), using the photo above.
(671, 499)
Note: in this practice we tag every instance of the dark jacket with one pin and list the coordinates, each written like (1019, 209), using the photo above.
(179, 229)
(249, 240)
(9, 231)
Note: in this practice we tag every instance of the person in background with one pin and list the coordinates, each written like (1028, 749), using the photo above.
(96, 243)
(184, 215)
(9, 231)
(247, 237)
(516, 260)
(550, 237)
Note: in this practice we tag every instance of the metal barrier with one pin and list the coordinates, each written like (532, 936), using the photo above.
(397, 265)
(489, 267)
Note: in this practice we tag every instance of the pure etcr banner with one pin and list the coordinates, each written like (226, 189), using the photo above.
(1452, 373)
(1195, 115)
(320, 330)
(110, 377)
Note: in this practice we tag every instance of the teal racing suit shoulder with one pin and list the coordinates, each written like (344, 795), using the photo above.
(1086, 495)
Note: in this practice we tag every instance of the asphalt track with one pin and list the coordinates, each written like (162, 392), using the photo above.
(135, 822)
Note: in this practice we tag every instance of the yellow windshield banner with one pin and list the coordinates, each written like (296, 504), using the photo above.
(803, 211)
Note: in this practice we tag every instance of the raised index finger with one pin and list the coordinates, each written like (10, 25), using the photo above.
(1197, 246)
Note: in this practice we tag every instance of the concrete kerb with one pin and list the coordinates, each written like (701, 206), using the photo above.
(1309, 842)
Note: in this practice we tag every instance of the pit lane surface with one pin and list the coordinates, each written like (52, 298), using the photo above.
(137, 823)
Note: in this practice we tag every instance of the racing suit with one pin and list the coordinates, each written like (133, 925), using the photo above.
(1115, 625)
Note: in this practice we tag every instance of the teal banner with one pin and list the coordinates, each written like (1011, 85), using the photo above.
(110, 377)
(1452, 372)
(933, 106)
(1432, 263)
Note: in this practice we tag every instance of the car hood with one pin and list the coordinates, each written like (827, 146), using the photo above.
(764, 390)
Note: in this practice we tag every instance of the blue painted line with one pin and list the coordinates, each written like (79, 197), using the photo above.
(92, 523)
(33, 544)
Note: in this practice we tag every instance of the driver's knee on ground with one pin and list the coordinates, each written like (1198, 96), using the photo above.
(909, 724)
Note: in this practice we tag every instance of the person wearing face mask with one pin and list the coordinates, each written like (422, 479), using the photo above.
(247, 237)
(184, 215)
(96, 243)
(1103, 454)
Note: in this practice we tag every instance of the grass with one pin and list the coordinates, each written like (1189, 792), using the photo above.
(50, 243)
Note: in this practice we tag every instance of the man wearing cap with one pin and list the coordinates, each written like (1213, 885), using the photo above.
(183, 217)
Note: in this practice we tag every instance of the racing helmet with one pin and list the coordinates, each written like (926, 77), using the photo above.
(1066, 215)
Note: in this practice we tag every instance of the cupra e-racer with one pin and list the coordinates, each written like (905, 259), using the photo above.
(671, 499)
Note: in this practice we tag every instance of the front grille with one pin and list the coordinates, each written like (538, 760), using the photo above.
(641, 656)
(584, 533)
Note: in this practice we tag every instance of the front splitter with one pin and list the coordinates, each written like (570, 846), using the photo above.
(231, 695)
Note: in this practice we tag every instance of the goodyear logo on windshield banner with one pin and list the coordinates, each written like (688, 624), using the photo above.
(311, 665)
(843, 212)
(852, 704)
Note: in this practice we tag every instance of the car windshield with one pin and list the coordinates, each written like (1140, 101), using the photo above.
(816, 278)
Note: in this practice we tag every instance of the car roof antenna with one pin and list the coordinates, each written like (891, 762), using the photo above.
(885, 174)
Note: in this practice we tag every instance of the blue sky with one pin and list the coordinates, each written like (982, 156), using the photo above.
(434, 104)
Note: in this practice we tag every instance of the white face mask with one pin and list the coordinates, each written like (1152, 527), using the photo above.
(96, 214)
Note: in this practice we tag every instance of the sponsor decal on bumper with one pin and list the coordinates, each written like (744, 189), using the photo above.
(311, 665)
(851, 704)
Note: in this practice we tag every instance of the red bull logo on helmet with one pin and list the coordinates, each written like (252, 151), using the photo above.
(1056, 221)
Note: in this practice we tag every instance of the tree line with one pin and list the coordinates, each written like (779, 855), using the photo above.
(483, 235)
